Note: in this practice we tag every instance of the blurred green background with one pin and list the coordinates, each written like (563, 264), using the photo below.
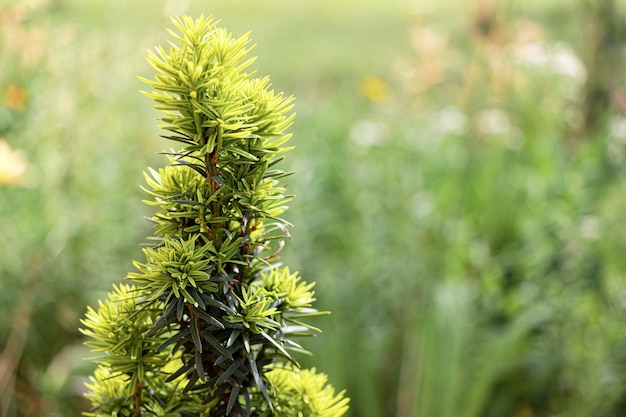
(460, 193)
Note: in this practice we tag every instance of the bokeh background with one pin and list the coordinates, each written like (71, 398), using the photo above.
(460, 193)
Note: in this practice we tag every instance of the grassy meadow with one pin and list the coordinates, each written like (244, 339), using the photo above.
(460, 190)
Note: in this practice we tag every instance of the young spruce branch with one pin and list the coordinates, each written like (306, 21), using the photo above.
(206, 325)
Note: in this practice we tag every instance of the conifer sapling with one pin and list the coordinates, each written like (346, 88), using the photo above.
(206, 324)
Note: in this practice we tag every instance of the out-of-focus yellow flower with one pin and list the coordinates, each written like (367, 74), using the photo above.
(15, 97)
(12, 165)
(374, 89)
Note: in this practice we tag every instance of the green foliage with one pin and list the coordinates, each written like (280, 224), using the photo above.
(130, 364)
(175, 266)
(484, 269)
(493, 248)
(117, 333)
(211, 312)
(296, 392)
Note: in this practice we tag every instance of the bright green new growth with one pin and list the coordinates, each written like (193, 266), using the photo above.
(207, 327)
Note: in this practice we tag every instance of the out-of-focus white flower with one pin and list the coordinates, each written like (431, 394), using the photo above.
(557, 58)
(367, 133)
(498, 122)
(450, 119)
(618, 128)
(493, 121)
